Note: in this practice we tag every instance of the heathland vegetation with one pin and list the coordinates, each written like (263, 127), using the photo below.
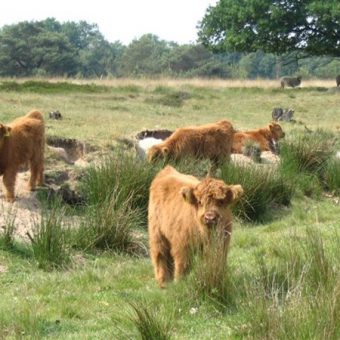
(84, 271)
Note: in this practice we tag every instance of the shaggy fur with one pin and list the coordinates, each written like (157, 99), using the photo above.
(212, 141)
(290, 81)
(21, 142)
(182, 212)
(266, 138)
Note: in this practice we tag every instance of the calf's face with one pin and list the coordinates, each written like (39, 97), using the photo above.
(211, 199)
(276, 131)
(5, 132)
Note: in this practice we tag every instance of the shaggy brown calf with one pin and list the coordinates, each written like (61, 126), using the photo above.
(266, 138)
(211, 141)
(21, 142)
(182, 213)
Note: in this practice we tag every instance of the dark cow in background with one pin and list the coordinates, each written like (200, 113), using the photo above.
(337, 79)
(282, 114)
(157, 134)
(290, 81)
(55, 115)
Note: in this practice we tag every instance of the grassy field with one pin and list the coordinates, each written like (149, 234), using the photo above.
(282, 279)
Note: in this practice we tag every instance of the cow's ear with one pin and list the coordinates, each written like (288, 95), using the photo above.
(165, 150)
(5, 130)
(188, 195)
(8, 131)
(233, 193)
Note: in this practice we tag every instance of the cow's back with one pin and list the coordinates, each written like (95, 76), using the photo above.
(209, 141)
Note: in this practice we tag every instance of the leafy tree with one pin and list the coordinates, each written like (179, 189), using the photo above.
(309, 27)
(146, 55)
(29, 46)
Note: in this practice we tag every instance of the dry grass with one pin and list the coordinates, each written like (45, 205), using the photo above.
(195, 82)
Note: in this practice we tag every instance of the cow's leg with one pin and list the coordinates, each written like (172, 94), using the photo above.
(34, 167)
(160, 256)
(180, 262)
(40, 176)
(9, 183)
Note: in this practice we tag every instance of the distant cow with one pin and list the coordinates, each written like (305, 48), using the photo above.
(183, 212)
(282, 114)
(22, 142)
(290, 81)
(337, 79)
(158, 134)
(266, 138)
(55, 115)
(210, 141)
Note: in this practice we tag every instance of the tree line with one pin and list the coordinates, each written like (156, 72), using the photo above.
(78, 49)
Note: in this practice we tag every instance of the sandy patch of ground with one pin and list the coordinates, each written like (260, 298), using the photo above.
(23, 212)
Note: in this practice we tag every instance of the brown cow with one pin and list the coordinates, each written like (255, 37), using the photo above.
(182, 213)
(266, 138)
(211, 141)
(21, 142)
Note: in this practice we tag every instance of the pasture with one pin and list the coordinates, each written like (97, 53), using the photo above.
(281, 279)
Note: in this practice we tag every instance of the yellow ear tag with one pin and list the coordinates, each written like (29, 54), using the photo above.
(7, 134)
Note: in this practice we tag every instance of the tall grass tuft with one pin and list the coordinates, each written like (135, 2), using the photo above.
(149, 324)
(109, 225)
(209, 278)
(298, 292)
(263, 189)
(7, 237)
(50, 240)
(331, 176)
(305, 159)
(123, 176)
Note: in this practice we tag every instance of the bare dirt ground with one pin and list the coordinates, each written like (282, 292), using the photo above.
(23, 212)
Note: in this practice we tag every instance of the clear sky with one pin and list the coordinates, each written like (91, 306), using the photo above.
(123, 20)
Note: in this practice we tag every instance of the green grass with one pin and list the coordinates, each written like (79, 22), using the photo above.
(281, 279)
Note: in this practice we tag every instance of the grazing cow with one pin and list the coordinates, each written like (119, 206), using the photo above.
(290, 81)
(21, 142)
(183, 212)
(337, 79)
(211, 141)
(266, 138)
